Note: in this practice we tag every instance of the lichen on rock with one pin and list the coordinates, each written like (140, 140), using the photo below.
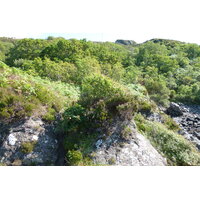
(135, 150)
(29, 142)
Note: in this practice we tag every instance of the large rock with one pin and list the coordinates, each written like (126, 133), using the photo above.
(174, 110)
(126, 147)
(126, 42)
(31, 133)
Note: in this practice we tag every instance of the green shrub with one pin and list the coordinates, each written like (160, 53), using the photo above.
(28, 147)
(25, 49)
(126, 133)
(115, 71)
(85, 67)
(170, 123)
(50, 115)
(99, 87)
(74, 157)
(145, 106)
(23, 95)
(56, 71)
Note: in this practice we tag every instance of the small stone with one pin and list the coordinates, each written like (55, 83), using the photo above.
(12, 139)
(191, 122)
(98, 143)
(35, 137)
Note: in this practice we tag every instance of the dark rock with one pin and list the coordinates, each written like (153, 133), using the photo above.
(174, 110)
(198, 146)
(197, 135)
(126, 42)
(189, 119)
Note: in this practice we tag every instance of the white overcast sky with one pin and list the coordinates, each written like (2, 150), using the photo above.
(106, 20)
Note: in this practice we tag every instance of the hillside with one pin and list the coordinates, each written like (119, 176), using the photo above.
(75, 102)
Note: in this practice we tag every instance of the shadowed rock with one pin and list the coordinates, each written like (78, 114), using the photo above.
(174, 110)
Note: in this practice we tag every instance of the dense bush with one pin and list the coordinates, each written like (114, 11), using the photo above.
(4, 48)
(25, 49)
(56, 71)
(22, 95)
(99, 87)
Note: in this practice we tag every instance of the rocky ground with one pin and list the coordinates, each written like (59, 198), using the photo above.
(34, 142)
(126, 147)
(188, 118)
(29, 142)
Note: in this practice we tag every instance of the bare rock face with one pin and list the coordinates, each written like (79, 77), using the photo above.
(125, 42)
(29, 142)
(126, 147)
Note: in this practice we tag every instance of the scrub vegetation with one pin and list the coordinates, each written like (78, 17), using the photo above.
(90, 84)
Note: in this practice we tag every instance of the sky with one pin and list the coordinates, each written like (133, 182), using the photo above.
(101, 20)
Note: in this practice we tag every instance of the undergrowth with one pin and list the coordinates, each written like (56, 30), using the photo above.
(23, 95)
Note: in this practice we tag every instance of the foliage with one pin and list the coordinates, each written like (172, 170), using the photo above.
(169, 123)
(99, 87)
(4, 48)
(93, 82)
(22, 95)
(25, 49)
(28, 147)
(55, 71)
(78, 142)
(74, 157)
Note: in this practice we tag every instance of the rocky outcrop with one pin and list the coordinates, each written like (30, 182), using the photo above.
(189, 123)
(175, 110)
(34, 142)
(29, 142)
(126, 42)
(126, 147)
(186, 116)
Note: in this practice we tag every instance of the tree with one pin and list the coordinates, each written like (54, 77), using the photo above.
(26, 49)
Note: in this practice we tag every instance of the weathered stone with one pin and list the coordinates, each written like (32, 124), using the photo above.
(174, 110)
(33, 132)
(12, 139)
(137, 151)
